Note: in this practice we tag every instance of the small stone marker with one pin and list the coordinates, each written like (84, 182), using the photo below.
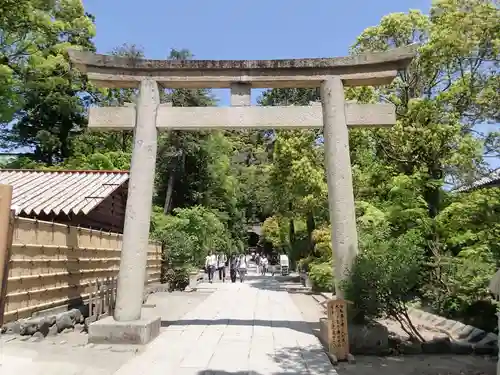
(338, 337)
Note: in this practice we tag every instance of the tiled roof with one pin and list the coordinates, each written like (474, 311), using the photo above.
(36, 192)
(490, 178)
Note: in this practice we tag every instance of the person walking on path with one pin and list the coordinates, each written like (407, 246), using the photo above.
(242, 266)
(264, 263)
(233, 267)
(221, 265)
(210, 265)
(274, 263)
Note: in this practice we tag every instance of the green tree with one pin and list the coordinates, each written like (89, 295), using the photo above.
(440, 97)
(53, 96)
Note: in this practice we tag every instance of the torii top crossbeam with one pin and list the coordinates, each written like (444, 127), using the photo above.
(369, 69)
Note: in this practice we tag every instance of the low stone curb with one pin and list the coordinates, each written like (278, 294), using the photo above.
(53, 324)
(50, 325)
(463, 339)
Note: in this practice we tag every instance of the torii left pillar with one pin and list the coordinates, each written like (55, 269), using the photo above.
(128, 325)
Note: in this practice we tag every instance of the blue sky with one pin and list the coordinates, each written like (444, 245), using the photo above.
(224, 29)
(257, 29)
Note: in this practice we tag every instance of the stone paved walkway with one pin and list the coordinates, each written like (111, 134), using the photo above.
(242, 328)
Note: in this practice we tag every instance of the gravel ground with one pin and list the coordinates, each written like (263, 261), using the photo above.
(423, 364)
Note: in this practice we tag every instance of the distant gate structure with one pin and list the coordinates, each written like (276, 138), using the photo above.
(148, 116)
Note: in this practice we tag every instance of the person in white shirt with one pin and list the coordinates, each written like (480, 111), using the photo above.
(210, 265)
(221, 266)
(242, 266)
(264, 263)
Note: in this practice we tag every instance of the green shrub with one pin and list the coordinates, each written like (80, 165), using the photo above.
(304, 264)
(385, 276)
(321, 276)
(177, 278)
(457, 288)
(188, 235)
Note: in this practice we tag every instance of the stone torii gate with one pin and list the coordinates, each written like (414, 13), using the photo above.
(148, 117)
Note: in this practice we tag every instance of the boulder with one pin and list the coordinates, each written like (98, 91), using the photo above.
(438, 345)
(30, 326)
(461, 347)
(76, 315)
(372, 338)
(409, 347)
(12, 328)
(37, 337)
(52, 331)
(476, 335)
(64, 321)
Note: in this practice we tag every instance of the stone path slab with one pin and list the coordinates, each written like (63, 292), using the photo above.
(242, 328)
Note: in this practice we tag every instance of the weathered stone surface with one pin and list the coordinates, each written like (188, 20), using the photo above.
(461, 347)
(368, 339)
(476, 335)
(401, 56)
(137, 332)
(485, 349)
(489, 339)
(50, 319)
(44, 326)
(433, 319)
(448, 325)
(37, 337)
(462, 331)
(12, 328)
(408, 347)
(52, 331)
(424, 315)
(398, 338)
(30, 326)
(415, 313)
(438, 345)
(64, 321)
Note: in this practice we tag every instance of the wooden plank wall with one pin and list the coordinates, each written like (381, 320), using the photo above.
(54, 265)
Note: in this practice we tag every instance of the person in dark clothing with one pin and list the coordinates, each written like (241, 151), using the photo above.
(273, 262)
(233, 268)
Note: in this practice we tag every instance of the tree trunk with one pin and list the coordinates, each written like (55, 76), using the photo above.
(291, 229)
(432, 194)
(171, 181)
(170, 190)
(311, 226)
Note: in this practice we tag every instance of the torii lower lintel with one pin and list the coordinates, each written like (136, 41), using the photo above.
(234, 118)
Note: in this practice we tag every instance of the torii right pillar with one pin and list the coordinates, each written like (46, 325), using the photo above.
(339, 179)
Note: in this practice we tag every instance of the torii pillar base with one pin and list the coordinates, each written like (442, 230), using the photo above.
(135, 332)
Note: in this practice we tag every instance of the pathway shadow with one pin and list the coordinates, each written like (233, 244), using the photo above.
(299, 326)
(289, 361)
(221, 372)
(279, 283)
(314, 357)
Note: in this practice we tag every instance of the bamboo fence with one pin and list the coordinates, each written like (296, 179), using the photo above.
(54, 265)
